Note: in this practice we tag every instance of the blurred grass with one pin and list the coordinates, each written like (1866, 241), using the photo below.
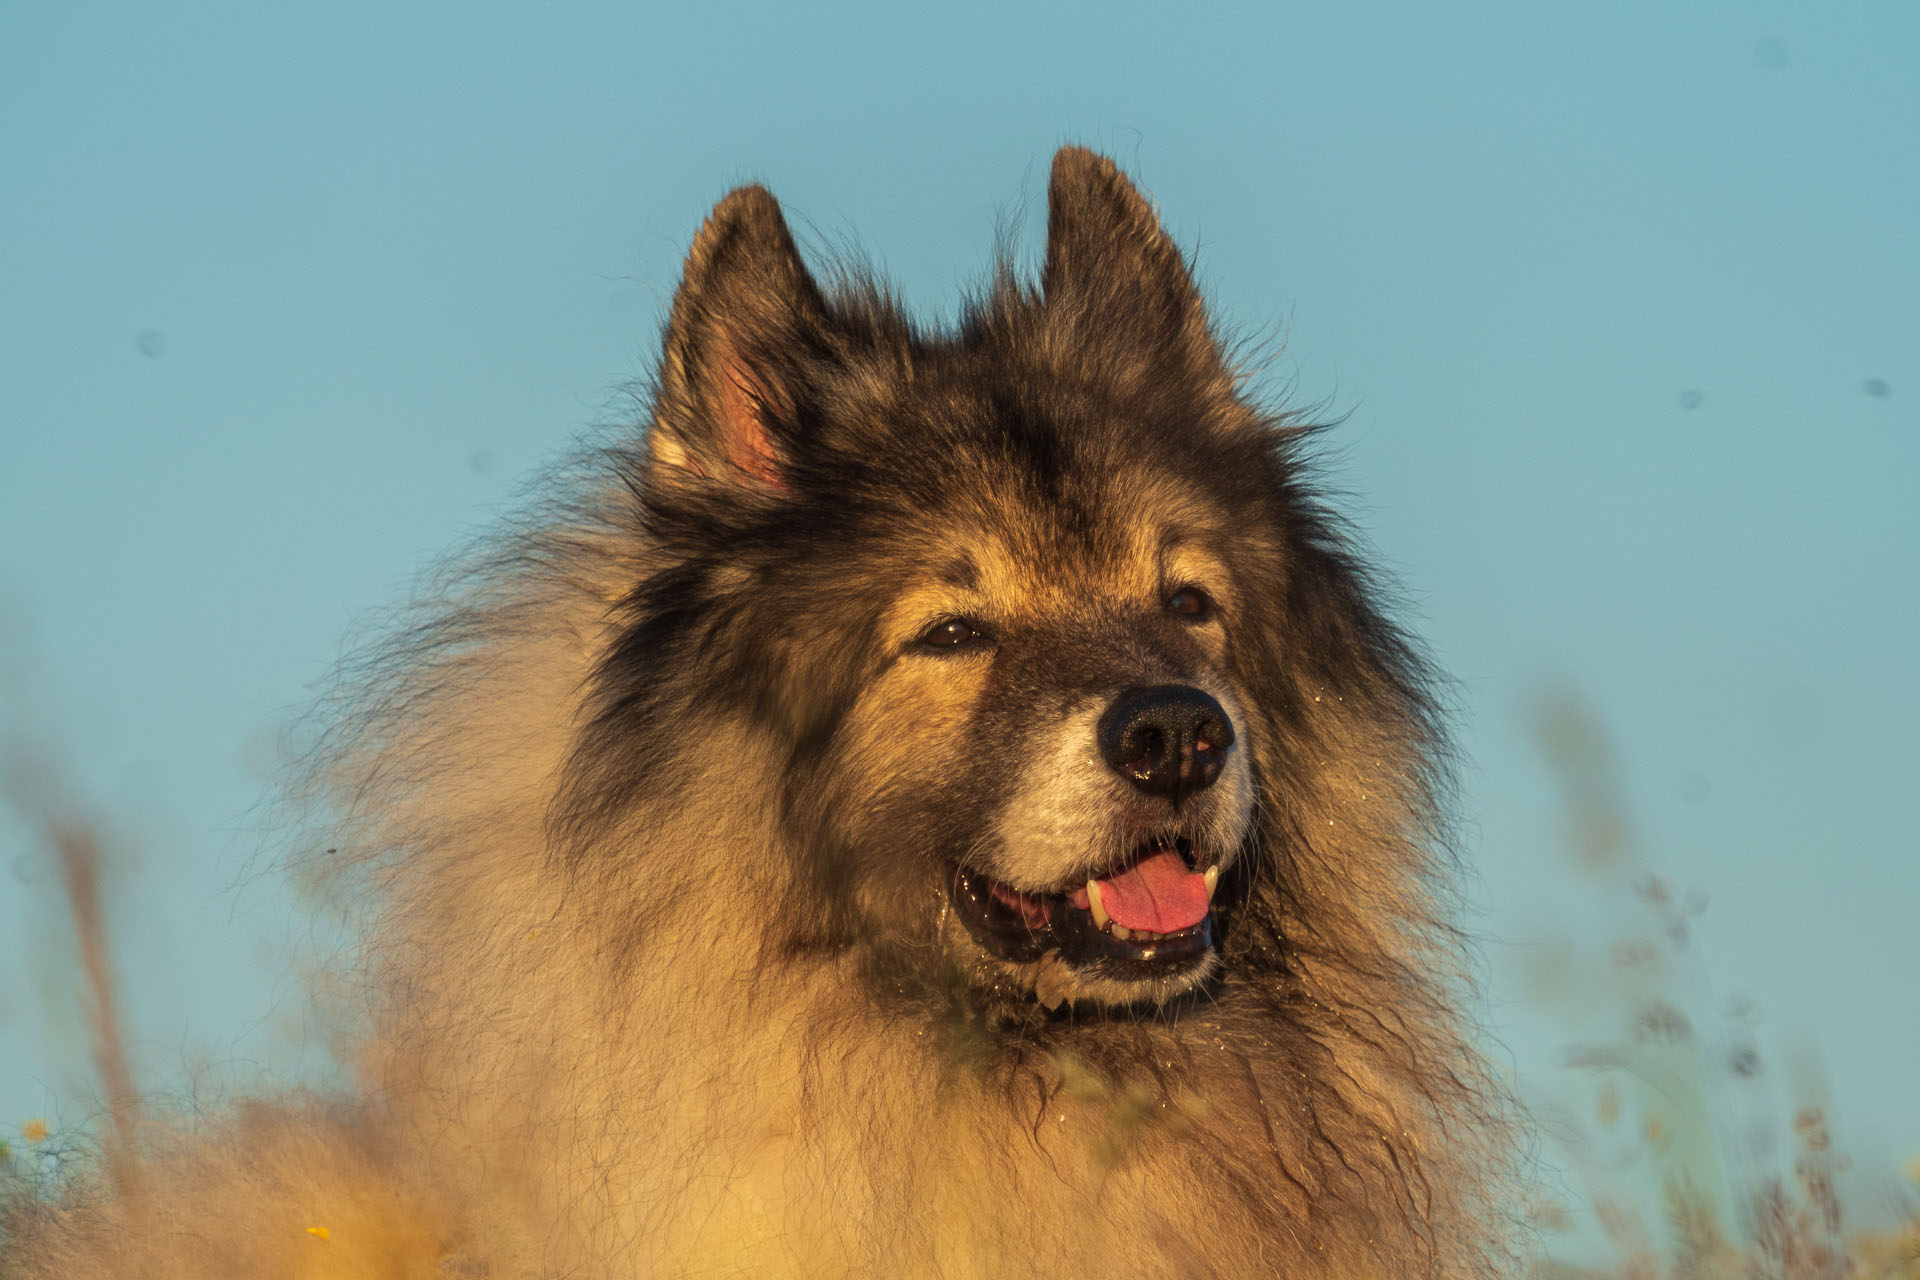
(1667, 1177)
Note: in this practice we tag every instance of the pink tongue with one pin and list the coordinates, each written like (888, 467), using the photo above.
(1158, 893)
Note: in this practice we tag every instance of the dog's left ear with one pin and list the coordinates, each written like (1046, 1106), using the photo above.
(1113, 273)
(748, 326)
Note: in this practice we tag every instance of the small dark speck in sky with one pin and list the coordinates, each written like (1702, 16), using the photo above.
(1877, 388)
(1770, 53)
(150, 343)
(1690, 399)
(480, 462)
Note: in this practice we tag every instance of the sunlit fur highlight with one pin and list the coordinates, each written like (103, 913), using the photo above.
(660, 980)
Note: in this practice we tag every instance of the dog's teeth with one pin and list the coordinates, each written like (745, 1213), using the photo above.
(1212, 879)
(1099, 908)
(1123, 933)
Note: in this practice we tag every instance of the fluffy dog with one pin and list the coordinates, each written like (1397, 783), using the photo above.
(931, 803)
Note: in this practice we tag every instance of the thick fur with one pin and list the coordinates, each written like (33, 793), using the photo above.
(653, 816)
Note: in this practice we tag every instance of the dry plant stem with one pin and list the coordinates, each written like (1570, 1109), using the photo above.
(78, 853)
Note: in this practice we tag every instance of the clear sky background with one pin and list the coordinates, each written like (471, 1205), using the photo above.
(1619, 301)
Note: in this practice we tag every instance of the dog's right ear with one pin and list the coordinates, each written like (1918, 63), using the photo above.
(748, 322)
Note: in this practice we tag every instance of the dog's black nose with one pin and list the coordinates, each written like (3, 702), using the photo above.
(1169, 740)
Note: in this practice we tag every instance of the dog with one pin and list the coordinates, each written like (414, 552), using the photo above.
(935, 802)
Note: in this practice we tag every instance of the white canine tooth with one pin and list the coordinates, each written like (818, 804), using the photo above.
(1212, 879)
(1123, 933)
(1099, 908)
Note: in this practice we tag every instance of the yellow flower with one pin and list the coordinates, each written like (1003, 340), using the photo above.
(34, 1131)
(318, 1233)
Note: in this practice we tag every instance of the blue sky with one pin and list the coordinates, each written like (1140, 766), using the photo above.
(1618, 301)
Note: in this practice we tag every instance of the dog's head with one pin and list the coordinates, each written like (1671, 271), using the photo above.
(1029, 615)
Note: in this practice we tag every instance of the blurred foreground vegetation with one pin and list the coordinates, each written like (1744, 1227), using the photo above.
(1668, 1152)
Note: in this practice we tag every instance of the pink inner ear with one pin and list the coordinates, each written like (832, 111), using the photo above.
(743, 426)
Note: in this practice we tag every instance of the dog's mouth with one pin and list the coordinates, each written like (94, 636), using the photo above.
(1148, 919)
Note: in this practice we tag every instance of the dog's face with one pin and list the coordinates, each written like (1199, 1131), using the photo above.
(992, 593)
(1058, 726)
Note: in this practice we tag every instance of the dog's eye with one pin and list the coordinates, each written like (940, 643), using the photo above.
(952, 633)
(1190, 602)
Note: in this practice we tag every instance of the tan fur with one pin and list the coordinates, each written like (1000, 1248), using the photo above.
(609, 1048)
